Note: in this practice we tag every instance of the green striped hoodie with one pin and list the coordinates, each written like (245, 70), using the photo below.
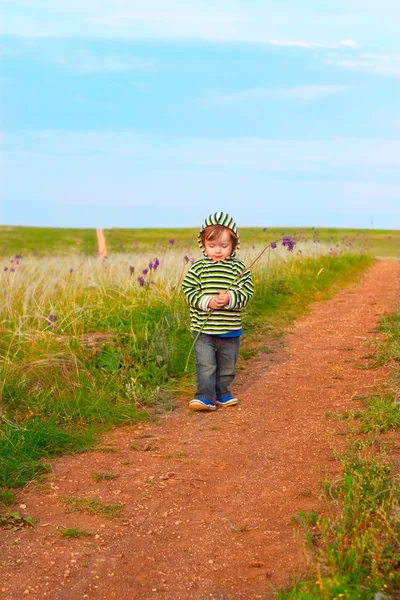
(206, 277)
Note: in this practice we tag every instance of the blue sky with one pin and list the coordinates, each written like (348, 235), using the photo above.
(156, 113)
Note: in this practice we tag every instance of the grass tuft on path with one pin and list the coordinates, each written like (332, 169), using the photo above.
(91, 506)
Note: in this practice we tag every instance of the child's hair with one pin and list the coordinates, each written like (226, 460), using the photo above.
(214, 232)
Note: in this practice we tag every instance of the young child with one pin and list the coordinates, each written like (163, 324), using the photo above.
(216, 287)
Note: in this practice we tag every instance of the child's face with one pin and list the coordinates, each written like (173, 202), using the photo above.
(219, 248)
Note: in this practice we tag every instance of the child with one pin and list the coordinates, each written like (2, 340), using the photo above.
(216, 287)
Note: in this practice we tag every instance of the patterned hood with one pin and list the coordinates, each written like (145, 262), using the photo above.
(218, 218)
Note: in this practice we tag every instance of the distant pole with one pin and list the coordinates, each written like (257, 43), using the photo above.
(101, 243)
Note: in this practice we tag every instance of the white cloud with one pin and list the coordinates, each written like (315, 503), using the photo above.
(84, 62)
(74, 58)
(156, 19)
(224, 20)
(247, 153)
(315, 92)
(301, 92)
(312, 45)
(380, 64)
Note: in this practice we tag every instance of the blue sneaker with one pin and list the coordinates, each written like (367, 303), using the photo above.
(202, 404)
(228, 400)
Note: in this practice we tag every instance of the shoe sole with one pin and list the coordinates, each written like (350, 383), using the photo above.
(232, 402)
(201, 406)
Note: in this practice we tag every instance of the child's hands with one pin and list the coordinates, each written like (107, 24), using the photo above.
(219, 301)
(223, 297)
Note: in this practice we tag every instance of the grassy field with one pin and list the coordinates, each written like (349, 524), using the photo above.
(41, 240)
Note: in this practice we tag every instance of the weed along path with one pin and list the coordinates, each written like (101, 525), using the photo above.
(207, 499)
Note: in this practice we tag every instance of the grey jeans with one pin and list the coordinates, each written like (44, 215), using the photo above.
(215, 365)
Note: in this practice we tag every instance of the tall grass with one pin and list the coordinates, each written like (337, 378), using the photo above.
(88, 343)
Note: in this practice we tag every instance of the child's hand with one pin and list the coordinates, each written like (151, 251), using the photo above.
(223, 297)
(219, 301)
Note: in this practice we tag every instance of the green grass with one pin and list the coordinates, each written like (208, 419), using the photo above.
(306, 519)
(91, 506)
(71, 533)
(23, 446)
(107, 449)
(144, 447)
(42, 240)
(176, 454)
(7, 497)
(383, 415)
(354, 548)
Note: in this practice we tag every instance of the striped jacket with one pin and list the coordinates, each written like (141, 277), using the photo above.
(206, 278)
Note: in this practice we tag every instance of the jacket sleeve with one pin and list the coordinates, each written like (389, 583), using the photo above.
(195, 297)
(241, 291)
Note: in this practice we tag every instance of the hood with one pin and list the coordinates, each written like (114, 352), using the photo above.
(219, 218)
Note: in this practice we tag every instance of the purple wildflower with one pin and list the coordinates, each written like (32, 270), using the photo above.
(192, 261)
(71, 270)
(273, 245)
(171, 241)
(51, 321)
(265, 228)
(145, 271)
(6, 268)
(131, 269)
(156, 263)
(186, 259)
(151, 266)
(18, 256)
(141, 281)
(288, 242)
(12, 270)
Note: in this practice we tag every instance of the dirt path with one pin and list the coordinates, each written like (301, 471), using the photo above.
(209, 497)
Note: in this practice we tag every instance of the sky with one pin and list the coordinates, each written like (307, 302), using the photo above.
(154, 114)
